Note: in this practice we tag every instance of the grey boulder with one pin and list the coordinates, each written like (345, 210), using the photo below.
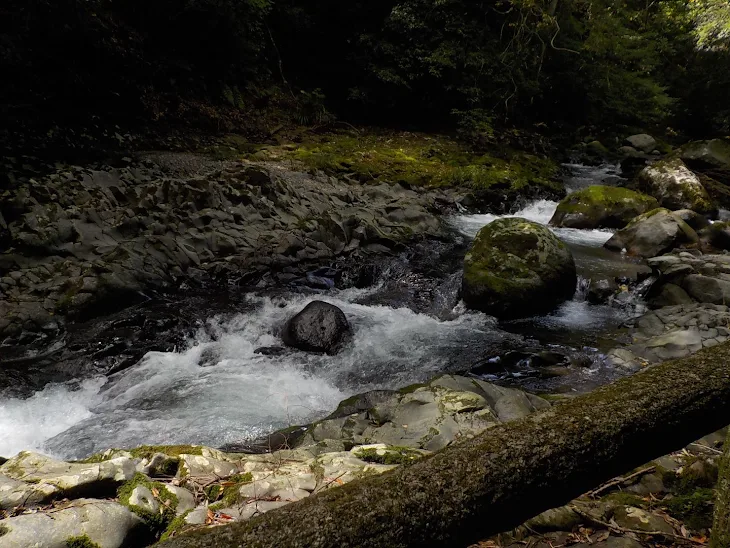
(319, 327)
(652, 234)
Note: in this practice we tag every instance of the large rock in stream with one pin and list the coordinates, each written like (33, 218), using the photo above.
(652, 234)
(517, 268)
(320, 327)
(676, 187)
(601, 207)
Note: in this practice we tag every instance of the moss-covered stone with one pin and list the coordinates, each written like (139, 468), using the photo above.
(675, 187)
(157, 521)
(516, 268)
(177, 525)
(81, 542)
(148, 451)
(601, 207)
(225, 493)
(694, 508)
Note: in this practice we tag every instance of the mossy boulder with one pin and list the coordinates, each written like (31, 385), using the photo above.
(517, 268)
(676, 187)
(652, 234)
(601, 207)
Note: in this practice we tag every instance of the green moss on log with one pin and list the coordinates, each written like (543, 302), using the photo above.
(487, 485)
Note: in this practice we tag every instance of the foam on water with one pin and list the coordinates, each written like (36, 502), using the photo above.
(218, 390)
(540, 211)
(27, 424)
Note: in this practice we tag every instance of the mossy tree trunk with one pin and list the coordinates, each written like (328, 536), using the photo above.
(721, 524)
(509, 473)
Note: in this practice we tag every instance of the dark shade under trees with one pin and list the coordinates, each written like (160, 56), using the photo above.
(559, 64)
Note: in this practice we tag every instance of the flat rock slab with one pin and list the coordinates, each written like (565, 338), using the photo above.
(106, 523)
(428, 417)
(14, 493)
(71, 478)
(673, 332)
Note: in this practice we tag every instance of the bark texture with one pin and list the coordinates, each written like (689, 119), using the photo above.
(721, 524)
(509, 473)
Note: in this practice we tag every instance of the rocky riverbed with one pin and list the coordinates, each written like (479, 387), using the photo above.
(215, 257)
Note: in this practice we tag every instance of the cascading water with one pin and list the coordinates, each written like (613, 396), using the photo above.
(221, 387)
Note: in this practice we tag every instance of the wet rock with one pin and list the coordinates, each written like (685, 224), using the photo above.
(517, 268)
(643, 142)
(73, 479)
(106, 523)
(676, 187)
(652, 234)
(319, 327)
(270, 350)
(601, 207)
(600, 291)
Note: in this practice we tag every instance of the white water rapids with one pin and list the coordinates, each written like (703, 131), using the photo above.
(218, 389)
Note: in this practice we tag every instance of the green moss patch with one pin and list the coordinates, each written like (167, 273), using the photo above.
(417, 159)
(391, 455)
(159, 521)
(81, 542)
(225, 493)
(694, 509)
(148, 451)
(625, 499)
(177, 525)
(4, 530)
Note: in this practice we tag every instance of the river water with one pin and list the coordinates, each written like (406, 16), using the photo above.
(219, 387)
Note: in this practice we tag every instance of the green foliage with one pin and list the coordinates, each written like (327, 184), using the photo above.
(311, 108)
(81, 542)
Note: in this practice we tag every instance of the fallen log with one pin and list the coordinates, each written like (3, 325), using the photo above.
(508, 474)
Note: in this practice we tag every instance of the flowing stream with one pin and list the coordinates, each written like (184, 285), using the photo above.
(230, 380)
